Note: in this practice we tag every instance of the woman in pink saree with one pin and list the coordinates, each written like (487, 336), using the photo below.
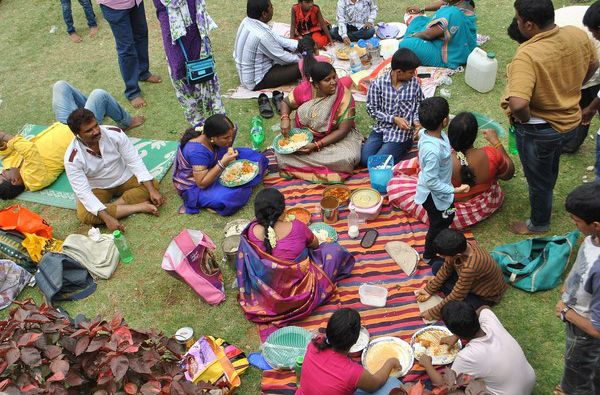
(326, 107)
(283, 273)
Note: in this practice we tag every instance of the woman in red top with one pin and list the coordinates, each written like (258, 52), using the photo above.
(327, 370)
(307, 20)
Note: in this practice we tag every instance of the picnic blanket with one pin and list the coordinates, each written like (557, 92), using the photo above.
(400, 316)
(158, 156)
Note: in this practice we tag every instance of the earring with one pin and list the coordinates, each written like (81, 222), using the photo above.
(212, 141)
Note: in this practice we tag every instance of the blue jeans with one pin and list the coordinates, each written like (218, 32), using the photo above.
(66, 99)
(375, 146)
(389, 385)
(68, 15)
(582, 363)
(130, 30)
(354, 34)
(539, 148)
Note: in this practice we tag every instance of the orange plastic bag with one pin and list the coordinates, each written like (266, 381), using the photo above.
(23, 220)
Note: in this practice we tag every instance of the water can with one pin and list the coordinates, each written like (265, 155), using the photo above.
(481, 70)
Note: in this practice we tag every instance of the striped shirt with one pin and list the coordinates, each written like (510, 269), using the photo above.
(477, 274)
(384, 102)
(257, 49)
(355, 13)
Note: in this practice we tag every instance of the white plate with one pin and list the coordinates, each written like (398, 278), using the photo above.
(407, 360)
(445, 360)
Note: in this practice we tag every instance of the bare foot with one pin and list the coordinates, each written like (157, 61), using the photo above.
(147, 207)
(135, 122)
(76, 38)
(93, 31)
(153, 79)
(138, 102)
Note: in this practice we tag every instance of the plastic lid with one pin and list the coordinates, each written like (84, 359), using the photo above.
(117, 233)
(351, 45)
(491, 55)
(300, 359)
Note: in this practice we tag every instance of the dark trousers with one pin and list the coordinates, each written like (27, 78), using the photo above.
(68, 14)
(539, 151)
(437, 223)
(472, 299)
(279, 75)
(582, 363)
(572, 144)
(130, 30)
(354, 33)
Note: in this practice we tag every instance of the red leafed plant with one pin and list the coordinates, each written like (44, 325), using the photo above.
(42, 352)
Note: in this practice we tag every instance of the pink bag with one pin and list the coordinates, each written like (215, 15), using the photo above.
(190, 258)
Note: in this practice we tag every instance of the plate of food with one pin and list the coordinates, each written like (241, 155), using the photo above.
(340, 192)
(342, 53)
(427, 341)
(385, 347)
(239, 172)
(297, 139)
(299, 213)
(324, 232)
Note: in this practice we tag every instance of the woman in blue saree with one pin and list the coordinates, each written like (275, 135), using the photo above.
(203, 153)
(446, 39)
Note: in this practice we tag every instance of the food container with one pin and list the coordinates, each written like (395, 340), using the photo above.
(285, 345)
(329, 209)
(340, 192)
(367, 203)
(230, 246)
(380, 171)
(373, 295)
(299, 213)
(363, 341)
(185, 337)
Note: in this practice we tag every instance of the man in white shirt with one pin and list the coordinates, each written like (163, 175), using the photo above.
(491, 355)
(355, 19)
(102, 164)
(263, 58)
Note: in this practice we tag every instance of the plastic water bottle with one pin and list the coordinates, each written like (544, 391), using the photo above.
(298, 369)
(123, 246)
(257, 133)
(353, 230)
(355, 64)
(512, 141)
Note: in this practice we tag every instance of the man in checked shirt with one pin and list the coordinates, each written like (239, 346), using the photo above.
(393, 103)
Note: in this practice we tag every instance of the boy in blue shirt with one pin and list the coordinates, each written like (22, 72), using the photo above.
(434, 186)
(393, 103)
(579, 306)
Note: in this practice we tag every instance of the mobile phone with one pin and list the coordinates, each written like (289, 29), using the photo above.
(424, 75)
(369, 238)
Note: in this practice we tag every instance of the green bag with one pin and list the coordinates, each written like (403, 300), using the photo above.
(12, 249)
(535, 264)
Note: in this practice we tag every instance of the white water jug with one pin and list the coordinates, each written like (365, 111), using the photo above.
(481, 70)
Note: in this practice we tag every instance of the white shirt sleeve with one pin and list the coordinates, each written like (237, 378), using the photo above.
(373, 14)
(131, 157)
(341, 19)
(81, 186)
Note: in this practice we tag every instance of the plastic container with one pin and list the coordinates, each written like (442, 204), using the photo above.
(481, 70)
(123, 246)
(353, 229)
(230, 246)
(379, 175)
(373, 295)
(257, 133)
(285, 345)
(355, 63)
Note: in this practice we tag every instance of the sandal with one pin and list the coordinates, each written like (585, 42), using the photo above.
(277, 99)
(264, 107)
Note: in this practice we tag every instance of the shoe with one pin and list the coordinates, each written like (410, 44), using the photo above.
(277, 99)
(264, 107)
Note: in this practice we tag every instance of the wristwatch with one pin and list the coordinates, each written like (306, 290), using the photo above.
(563, 313)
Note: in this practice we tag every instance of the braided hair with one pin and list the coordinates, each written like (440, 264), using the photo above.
(306, 47)
(268, 207)
(343, 329)
(462, 133)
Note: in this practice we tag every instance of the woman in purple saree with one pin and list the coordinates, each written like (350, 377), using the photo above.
(282, 271)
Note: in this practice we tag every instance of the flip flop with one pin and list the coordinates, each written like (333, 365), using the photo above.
(257, 360)
(264, 107)
(277, 99)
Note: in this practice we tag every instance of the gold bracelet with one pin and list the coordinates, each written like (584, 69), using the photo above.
(498, 145)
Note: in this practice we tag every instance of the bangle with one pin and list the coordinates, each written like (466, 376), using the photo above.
(285, 116)
(318, 146)
(220, 164)
(498, 145)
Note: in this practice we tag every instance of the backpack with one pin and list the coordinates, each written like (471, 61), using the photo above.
(535, 264)
(63, 278)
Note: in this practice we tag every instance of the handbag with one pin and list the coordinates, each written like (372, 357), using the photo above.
(62, 278)
(17, 217)
(197, 71)
(535, 264)
(190, 257)
(11, 248)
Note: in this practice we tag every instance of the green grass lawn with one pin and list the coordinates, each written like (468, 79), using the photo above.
(32, 59)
